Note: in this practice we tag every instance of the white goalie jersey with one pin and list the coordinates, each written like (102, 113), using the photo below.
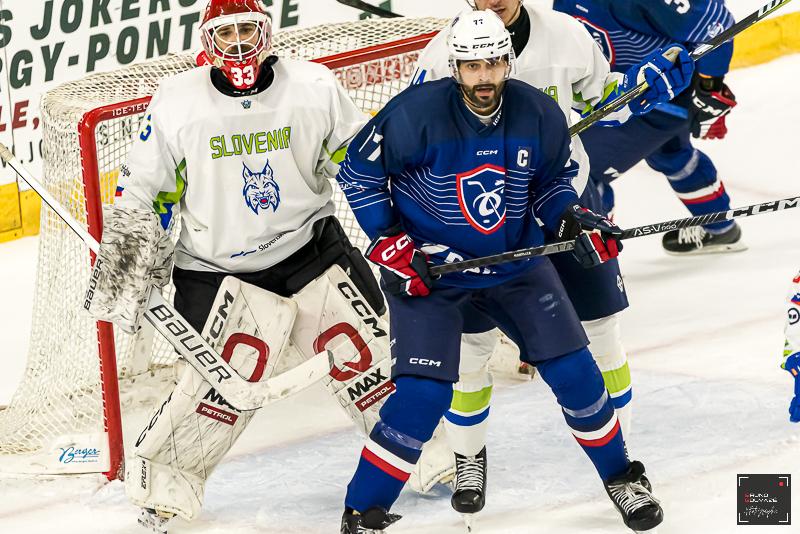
(561, 59)
(250, 174)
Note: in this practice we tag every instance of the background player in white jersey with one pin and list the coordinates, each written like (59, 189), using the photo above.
(555, 54)
(487, 155)
(791, 352)
(244, 149)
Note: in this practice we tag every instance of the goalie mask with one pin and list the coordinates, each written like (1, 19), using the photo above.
(236, 37)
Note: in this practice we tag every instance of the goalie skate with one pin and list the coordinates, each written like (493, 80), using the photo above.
(154, 521)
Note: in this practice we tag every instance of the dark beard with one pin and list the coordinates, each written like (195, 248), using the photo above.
(471, 96)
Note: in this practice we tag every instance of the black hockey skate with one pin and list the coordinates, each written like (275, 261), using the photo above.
(373, 521)
(696, 240)
(631, 495)
(469, 493)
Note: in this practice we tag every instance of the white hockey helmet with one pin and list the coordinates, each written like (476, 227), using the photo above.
(476, 35)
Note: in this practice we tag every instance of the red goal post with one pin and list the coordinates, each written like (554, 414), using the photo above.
(81, 376)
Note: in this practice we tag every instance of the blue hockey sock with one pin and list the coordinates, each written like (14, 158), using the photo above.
(694, 179)
(408, 419)
(578, 385)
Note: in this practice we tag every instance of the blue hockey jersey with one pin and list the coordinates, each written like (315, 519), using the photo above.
(459, 188)
(628, 30)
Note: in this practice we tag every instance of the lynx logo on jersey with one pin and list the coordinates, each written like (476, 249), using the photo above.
(602, 38)
(260, 189)
(480, 196)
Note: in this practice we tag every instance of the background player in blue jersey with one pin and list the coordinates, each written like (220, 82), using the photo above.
(460, 167)
(628, 30)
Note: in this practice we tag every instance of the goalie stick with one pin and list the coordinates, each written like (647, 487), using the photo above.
(696, 54)
(186, 340)
(638, 231)
(369, 8)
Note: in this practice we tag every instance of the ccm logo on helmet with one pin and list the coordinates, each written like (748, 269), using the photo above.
(424, 361)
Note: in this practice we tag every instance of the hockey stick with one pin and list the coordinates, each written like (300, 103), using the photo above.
(369, 8)
(638, 231)
(696, 54)
(187, 341)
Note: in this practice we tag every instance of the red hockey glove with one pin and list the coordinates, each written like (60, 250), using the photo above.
(403, 267)
(596, 238)
(712, 101)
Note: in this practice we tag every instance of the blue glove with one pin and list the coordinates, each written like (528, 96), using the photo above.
(792, 365)
(667, 72)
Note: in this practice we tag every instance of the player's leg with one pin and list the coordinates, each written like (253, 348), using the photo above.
(192, 430)
(613, 151)
(598, 295)
(466, 422)
(693, 177)
(427, 334)
(195, 294)
(567, 366)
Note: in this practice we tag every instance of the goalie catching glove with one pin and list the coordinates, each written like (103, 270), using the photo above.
(135, 256)
(596, 237)
(404, 268)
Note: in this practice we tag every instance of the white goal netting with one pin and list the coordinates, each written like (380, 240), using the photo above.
(59, 403)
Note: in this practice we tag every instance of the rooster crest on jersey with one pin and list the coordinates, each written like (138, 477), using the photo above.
(260, 189)
(480, 196)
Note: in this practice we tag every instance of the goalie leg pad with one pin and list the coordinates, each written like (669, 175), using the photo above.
(605, 344)
(195, 426)
(333, 315)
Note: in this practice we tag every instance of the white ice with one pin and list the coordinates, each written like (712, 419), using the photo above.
(704, 336)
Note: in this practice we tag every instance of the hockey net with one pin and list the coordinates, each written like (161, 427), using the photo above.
(65, 415)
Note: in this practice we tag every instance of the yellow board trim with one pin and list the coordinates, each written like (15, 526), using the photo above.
(767, 40)
(19, 213)
(762, 42)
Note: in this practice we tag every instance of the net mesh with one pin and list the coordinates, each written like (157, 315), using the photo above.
(60, 392)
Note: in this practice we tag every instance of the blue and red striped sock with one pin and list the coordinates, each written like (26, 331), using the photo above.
(578, 385)
(408, 419)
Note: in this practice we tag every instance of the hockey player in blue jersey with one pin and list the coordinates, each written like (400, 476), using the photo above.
(462, 168)
(627, 31)
(553, 52)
